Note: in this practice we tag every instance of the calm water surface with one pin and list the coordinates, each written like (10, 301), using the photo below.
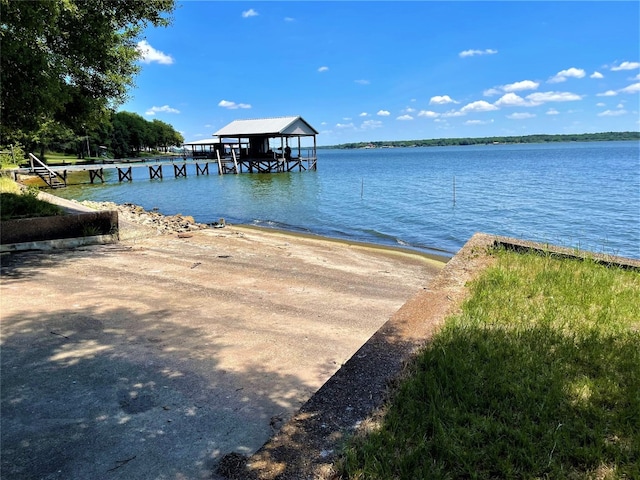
(584, 195)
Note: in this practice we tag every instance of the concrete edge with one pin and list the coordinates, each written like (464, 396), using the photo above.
(564, 252)
(60, 243)
(60, 231)
(307, 446)
(68, 205)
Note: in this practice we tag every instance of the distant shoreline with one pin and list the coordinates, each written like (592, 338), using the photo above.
(504, 140)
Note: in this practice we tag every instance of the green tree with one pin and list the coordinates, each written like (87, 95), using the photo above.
(69, 60)
(53, 135)
(164, 135)
(130, 133)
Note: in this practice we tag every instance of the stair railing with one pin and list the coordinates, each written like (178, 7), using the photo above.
(51, 178)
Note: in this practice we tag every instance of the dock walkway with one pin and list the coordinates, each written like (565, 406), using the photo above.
(158, 166)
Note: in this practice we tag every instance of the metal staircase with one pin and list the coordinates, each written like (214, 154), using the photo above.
(50, 177)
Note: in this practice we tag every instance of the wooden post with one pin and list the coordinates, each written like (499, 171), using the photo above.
(124, 174)
(454, 190)
(235, 161)
(180, 171)
(99, 173)
(220, 172)
(204, 170)
(315, 158)
(155, 172)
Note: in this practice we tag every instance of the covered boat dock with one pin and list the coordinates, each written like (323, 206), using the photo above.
(262, 145)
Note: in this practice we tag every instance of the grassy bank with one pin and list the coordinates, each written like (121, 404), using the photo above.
(17, 202)
(538, 377)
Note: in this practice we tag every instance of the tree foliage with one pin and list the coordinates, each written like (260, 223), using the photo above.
(131, 134)
(69, 61)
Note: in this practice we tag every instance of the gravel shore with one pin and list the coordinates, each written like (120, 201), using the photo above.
(138, 215)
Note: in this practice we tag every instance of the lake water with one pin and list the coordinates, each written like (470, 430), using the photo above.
(583, 195)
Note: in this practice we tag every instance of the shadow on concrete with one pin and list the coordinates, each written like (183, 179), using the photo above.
(85, 397)
(310, 441)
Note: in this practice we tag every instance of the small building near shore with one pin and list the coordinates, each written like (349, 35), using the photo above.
(261, 145)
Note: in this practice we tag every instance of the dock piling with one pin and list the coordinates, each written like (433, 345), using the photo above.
(155, 172)
(180, 171)
(124, 174)
(99, 173)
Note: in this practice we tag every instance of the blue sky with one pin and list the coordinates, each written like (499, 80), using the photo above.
(370, 71)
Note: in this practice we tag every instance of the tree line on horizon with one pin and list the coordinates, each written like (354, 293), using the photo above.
(539, 138)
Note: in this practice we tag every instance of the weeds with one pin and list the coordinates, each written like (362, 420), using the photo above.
(16, 202)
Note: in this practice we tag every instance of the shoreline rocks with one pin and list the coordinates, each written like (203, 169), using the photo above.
(132, 213)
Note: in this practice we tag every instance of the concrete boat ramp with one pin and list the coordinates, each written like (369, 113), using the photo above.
(155, 357)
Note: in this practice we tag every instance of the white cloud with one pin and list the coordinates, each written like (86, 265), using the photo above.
(620, 105)
(404, 117)
(371, 124)
(612, 113)
(542, 97)
(637, 77)
(492, 91)
(362, 82)
(428, 114)
(323, 69)
(596, 75)
(383, 113)
(478, 122)
(512, 100)
(635, 88)
(232, 105)
(479, 106)
(441, 100)
(344, 125)
(553, 111)
(600, 104)
(454, 113)
(289, 19)
(364, 114)
(520, 116)
(249, 13)
(409, 110)
(568, 73)
(512, 87)
(523, 85)
(148, 54)
(626, 66)
(163, 109)
(471, 53)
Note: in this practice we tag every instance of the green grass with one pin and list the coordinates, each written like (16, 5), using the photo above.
(22, 203)
(55, 158)
(9, 186)
(538, 377)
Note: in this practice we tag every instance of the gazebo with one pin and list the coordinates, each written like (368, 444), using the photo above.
(261, 145)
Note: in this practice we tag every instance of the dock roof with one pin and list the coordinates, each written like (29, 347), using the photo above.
(276, 126)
